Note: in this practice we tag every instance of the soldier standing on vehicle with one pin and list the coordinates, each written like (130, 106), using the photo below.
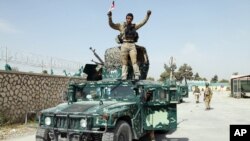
(127, 38)
(207, 96)
(197, 94)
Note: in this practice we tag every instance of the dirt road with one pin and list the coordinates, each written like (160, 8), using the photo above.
(195, 124)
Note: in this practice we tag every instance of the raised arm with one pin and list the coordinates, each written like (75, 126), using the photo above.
(139, 25)
(111, 24)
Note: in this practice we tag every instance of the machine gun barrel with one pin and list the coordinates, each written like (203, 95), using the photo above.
(96, 55)
(97, 63)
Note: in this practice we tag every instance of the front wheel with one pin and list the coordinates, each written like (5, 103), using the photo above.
(42, 135)
(122, 132)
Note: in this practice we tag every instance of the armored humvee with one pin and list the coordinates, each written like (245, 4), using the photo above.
(105, 108)
(181, 90)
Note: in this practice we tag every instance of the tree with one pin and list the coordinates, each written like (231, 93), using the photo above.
(185, 72)
(235, 73)
(151, 78)
(214, 79)
(224, 81)
(197, 76)
(204, 79)
(166, 74)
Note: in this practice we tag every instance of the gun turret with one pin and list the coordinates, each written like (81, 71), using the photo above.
(97, 56)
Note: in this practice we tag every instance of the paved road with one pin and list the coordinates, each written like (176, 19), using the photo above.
(196, 124)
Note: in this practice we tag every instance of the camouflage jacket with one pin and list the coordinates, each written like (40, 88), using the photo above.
(196, 90)
(208, 91)
(122, 26)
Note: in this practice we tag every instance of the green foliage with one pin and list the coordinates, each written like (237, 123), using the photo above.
(197, 77)
(185, 72)
(166, 74)
(44, 72)
(214, 79)
(151, 78)
(204, 79)
(2, 119)
(235, 73)
(224, 81)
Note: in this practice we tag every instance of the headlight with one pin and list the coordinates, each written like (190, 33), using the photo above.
(47, 120)
(83, 122)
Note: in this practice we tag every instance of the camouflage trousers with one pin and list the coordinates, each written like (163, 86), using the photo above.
(197, 96)
(207, 100)
(129, 49)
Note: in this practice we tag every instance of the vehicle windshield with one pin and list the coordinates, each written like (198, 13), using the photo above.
(90, 93)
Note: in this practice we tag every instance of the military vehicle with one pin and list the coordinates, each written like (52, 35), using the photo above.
(105, 108)
(181, 89)
(182, 92)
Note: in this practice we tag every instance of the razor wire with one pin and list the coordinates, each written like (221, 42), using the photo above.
(35, 60)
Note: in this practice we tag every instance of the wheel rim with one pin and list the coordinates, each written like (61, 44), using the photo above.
(121, 137)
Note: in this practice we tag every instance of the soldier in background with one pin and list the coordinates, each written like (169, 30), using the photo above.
(128, 36)
(207, 96)
(197, 94)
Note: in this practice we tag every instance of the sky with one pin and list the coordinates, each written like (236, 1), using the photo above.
(212, 36)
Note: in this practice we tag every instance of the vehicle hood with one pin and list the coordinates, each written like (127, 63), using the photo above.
(90, 107)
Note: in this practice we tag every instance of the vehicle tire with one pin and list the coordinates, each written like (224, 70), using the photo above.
(161, 131)
(181, 101)
(42, 135)
(97, 137)
(122, 132)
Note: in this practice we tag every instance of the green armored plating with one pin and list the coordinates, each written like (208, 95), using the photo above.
(105, 108)
(115, 103)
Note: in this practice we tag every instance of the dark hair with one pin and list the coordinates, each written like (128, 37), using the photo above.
(207, 84)
(131, 15)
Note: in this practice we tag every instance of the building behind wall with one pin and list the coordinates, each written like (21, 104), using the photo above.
(221, 87)
(240, 86)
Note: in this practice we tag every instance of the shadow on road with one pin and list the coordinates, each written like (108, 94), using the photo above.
(185, 102)
(162, 137)
(175, 139)
(181, 121)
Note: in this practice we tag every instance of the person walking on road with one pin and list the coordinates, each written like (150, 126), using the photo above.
(197, 94)
(207, 96)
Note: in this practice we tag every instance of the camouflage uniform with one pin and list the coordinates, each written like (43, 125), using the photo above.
(128, 46)
(197, 94)
(207, 97)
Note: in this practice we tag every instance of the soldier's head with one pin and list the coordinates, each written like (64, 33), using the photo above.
(207, 84)
(129, 18)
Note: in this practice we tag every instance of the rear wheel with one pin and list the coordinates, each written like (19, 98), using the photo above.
(42, 135)
(122, 132)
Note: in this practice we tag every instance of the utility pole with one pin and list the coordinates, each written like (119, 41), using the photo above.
(172, 67)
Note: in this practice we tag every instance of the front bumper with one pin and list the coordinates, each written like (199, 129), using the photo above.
(54, 134)
(64, 126)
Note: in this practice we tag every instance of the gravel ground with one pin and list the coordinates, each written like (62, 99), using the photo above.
(17, 130)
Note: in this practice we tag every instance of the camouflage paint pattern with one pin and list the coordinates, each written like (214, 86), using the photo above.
(141, 115)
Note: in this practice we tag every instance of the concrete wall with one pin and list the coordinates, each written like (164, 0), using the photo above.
(23, 92)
